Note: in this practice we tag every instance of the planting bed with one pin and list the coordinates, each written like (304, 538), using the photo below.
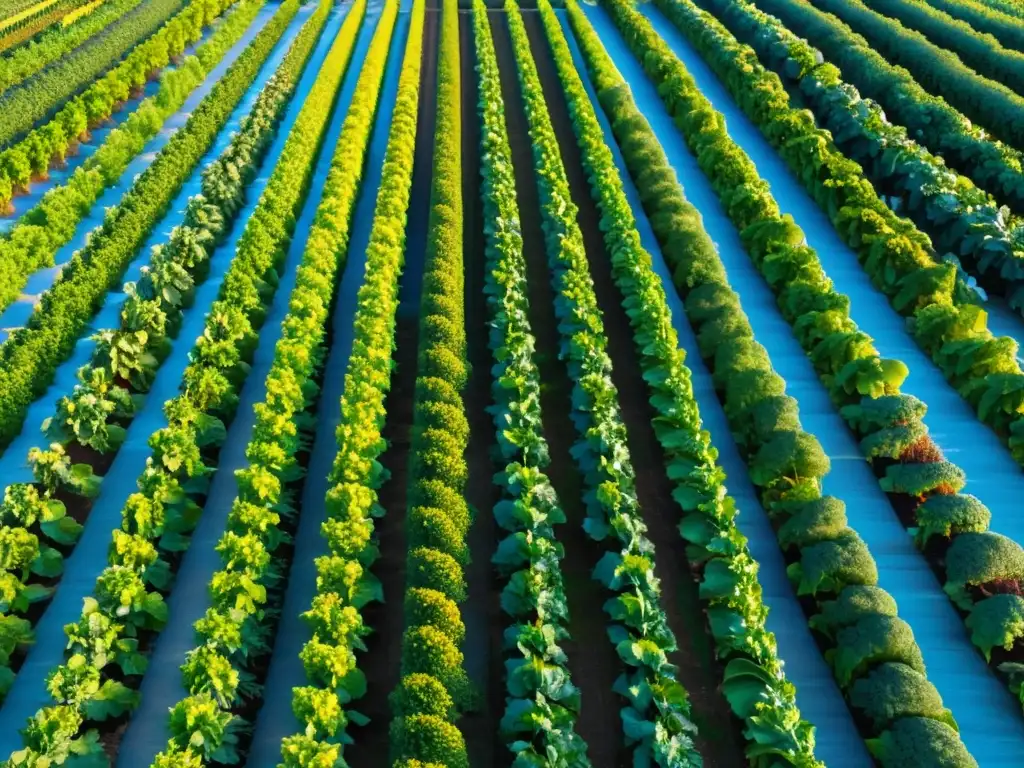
(418, 383)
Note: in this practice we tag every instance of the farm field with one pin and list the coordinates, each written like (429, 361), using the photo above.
(526, 383)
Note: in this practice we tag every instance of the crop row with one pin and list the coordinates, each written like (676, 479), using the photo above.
(656, 720)
(42, 96)
(754, 682)
(18, 19)
(81, 12)
(910, 467)
(434, 689)
(21, 26)
(975, 47)
(542, 703)
(34, 240)
(30, 356)
(91, 422)
(103, 659)
(996, 107)
(992, 165)
(944, 318)
(344, 583)
(979, 568)
(219, 672)
(60, 40)
(963, 220)
(127, 605)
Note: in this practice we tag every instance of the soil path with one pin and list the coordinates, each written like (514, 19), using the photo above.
(719, 740)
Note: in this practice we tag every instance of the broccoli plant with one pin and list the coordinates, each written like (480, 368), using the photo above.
(892, 691)
(996, 622)
(985, 561)
(920, 741)
(829, 566)
(947, 515)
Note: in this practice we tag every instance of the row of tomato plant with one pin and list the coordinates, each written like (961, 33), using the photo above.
(218, 673)
(60, 39)
(965, 222)
(49, 142)
(23, 25)
(434, 689)
(542, 704)
(976, 48)
(41, 232)
(992, 165)
(656, 718)
(104, 660)
(951, 528)
(344, 581)
(945, 317)
(999, 109)
(754, 682)
(30, 356)
(41, 521)
(42, 95)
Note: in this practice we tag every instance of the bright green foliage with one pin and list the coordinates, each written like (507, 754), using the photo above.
(871, 641)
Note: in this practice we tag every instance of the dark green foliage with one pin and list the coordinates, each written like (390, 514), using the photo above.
(872, 641)
(997, 622)
(921, 741)
(891, 691)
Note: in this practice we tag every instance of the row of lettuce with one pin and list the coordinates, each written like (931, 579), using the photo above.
(42, 521)
(433, 689)
(104, 660)
(910, 467)
(60, 39)
(344, 583)
(30, 356)
(542, 703)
